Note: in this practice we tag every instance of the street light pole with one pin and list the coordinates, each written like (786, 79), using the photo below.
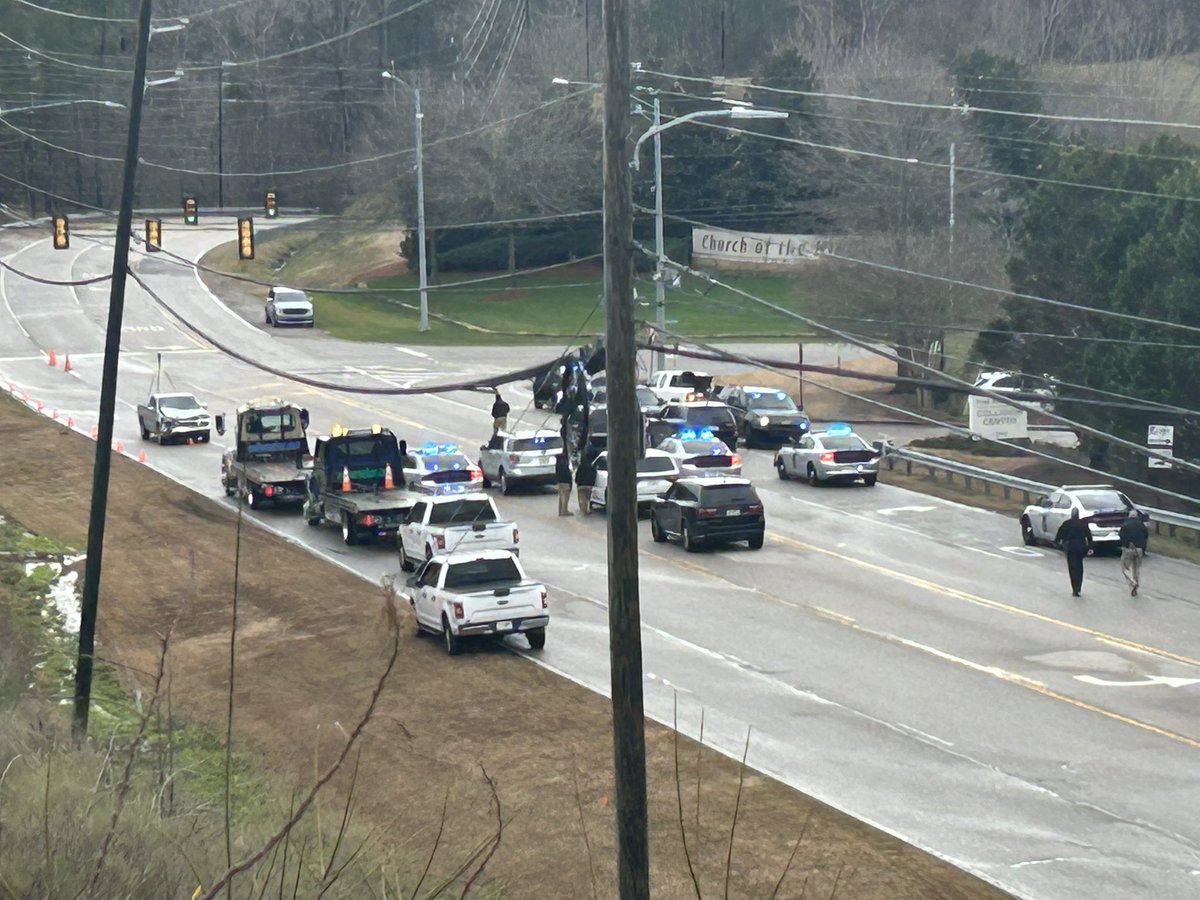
(660, 289)
(221, 136)
(422, 272)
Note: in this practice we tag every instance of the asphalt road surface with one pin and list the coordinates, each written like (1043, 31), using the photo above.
(898, 656)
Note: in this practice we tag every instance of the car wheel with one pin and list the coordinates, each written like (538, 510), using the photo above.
(405, 563)
(349, 532)
(450, 639)
(756, 542)
(251, 498)
(230, 490)
(267, 316)
(656, 531)
(781, 469)
(487, 482)
(145, 433)
(689, 542)
(812, 475)
(205, 437)
(746, 436)
(536, 638)
(1027, 533)
(869, 480)
(505, 487)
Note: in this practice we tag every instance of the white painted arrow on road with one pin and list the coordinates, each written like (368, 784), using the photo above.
(891, 511)
(1153, 679)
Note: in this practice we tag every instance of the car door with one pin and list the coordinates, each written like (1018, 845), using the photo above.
(410, 539)
(1057, 513)
(599, 492)
(800, 455)
(427, 605)
(670, 512)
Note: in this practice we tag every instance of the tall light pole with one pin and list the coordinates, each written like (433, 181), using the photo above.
(655, 131)
(422, 275)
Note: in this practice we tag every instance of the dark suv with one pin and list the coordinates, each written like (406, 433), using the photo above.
(703, 415)
(702, 511)
(766, 415)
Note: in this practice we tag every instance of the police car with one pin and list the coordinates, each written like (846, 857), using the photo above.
(436, 469)
(701, 454)
(835, 454)
(524, 457)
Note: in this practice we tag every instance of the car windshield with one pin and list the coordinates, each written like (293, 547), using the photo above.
(844, 442)
(698, 448)
(647, 397)
(653, 465)
(728, 495)
(177, 403)
(772, 400)
(1103, 500)
(483, 571)
(460, 511)
(709, 415)
(520, 445)
(440, 462)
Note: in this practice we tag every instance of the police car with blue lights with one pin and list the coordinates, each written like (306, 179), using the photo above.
(435, 468)
(832, 455)
(519, 458)
(765, 415)
(701, 454)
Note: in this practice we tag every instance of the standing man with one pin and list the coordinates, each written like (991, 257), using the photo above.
(585, 479)
(562, 474)
(1134, 535)
(1075, 538)
(500, 411)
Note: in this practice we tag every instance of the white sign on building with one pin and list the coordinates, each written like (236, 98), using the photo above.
(755, 248)
(993, 419)
(1161, 439)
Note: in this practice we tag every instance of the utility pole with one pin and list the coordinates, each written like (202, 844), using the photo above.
(660, 289)
(221, 136)
(108, 393)
(624, 422)
(422, 274)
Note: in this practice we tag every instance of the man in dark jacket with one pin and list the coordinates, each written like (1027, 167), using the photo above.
(1075, 538)
(585, 480)
(1134, 535)
(500, 411)
(562, 474)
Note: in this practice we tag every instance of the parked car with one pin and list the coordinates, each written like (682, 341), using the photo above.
(1101, 506)
(288, 306)
(766, 415)
(700, 511)
(174, 417)
(446, 524)
(520, 458)
(655, 472)
(701, 455)
(835, 454)
(436, 468)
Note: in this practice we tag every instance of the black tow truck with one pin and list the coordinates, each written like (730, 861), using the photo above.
(357, 483)
(270, 461)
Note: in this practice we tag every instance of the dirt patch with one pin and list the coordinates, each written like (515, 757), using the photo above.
(311, 647)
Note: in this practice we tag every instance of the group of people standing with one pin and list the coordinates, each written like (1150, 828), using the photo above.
(1075, 537)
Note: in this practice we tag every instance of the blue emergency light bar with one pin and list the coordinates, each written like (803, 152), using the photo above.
(691, 434)
(838, 428)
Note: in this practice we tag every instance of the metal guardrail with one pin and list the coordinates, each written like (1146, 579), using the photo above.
(1160, 519)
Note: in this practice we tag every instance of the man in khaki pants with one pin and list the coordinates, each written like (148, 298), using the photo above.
(1134, 535)
(562, 473)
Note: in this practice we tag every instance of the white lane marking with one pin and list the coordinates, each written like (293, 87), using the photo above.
(1152, 680)
(980, 550)
(410, 352)
(1022, 551)
(916, 732)
(4, 292)
(442, 397)
(891, 511)
(219, 302)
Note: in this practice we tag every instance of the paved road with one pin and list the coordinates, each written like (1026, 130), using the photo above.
(896, 655)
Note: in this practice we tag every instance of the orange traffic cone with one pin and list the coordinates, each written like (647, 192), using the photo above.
(345, 478)
(141, 456)
(120, 447)
(388, 483)
(25, 396)
(40, 405)
(12, 388)
(95, 432)
(53, 358)
(70, 421)
(67, 363)
(54, 415)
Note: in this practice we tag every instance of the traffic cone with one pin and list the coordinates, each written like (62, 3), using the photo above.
(141, 456)
(67, 363)
(12, 388)
(120, 447)
(95, 432)
(388, 483)
(54, 415)
(40, 405)
(25, 396)
(53, 358)
(345, 478)
(70, 422)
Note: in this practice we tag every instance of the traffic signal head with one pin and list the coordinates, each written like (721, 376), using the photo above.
(191, 212)
(153, 235)
(245, 239)
(270, 206)
(62, 233)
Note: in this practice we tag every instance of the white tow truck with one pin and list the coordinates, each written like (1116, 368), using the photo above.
(453, 523)
(460, 595)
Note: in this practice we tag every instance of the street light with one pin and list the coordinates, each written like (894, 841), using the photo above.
(738, 111)
(422, 278)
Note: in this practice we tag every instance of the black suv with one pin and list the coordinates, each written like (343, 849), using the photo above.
(766, 415)
(702, 511)
(703, 415)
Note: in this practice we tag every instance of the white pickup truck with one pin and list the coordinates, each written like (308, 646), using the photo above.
(461, 595)
(680, 385)
(453, 523)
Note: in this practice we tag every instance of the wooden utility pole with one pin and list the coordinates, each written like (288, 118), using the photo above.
(624, 424)
(89, 601)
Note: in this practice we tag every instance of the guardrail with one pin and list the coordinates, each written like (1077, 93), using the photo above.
(1160, 519)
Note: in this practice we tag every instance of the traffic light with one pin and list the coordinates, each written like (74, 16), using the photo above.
(62, 233)
(191, 212)
(245, 239)
(153, 235)
(270, 206)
